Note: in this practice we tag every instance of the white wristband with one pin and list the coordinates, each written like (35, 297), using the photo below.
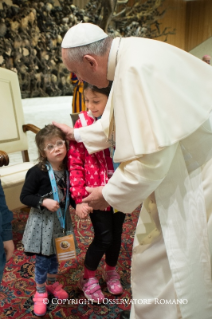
(77, 135)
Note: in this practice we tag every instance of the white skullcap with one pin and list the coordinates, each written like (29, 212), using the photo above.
(82, 34)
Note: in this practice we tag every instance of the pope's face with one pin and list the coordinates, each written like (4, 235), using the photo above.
(84, 72)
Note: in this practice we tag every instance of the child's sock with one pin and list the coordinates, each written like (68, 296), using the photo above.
(41, 289)
(51, 280)
(89, 273)
(107, 267)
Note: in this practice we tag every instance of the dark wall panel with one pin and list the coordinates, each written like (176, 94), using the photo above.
(198, 22)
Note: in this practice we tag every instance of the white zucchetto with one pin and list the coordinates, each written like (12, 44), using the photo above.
(82, 34)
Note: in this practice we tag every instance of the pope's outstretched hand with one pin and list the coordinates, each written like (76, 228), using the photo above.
(95, 199)
(69, 131)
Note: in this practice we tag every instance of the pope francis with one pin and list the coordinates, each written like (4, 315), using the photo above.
(158, 118)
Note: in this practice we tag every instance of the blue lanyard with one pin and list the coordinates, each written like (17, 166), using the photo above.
(60, 215)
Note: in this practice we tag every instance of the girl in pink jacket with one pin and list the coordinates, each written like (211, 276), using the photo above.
(95, 170)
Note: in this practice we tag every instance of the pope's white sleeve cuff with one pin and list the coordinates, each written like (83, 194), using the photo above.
(77, 135)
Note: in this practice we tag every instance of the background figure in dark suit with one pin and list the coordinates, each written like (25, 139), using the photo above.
(6, 242)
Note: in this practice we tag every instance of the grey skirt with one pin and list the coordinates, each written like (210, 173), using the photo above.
(41, 229)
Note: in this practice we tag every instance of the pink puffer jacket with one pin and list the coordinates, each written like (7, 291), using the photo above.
(86, 169)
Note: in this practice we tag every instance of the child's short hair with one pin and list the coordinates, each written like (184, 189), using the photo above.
(105, 91)
(49, 131)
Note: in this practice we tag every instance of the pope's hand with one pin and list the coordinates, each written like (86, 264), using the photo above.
(69, 131)
(95, 199)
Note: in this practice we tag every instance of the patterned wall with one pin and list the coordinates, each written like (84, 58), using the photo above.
(80, 3)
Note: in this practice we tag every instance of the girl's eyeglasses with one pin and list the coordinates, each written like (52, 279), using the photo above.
(51, 147)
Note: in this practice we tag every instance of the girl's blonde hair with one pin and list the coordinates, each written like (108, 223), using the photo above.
(48, 132)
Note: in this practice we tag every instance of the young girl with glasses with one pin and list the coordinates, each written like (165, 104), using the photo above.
(94, 170)
(43, 224)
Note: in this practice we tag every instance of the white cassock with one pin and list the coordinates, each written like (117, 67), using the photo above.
(159, 107)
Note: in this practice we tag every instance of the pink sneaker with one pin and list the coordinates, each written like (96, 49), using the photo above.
(91, 289)
(40, 303)
(57, 291)
(112, 279)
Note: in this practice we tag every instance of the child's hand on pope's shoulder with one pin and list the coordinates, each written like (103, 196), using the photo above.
(51, 204)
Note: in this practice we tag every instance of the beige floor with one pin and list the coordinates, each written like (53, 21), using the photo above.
(42, 111)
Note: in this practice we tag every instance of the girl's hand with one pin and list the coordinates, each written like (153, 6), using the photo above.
(9, 248)
(86, 208)
(51, 204)
(82, 210)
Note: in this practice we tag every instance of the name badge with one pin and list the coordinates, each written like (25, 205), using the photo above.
(65, 248)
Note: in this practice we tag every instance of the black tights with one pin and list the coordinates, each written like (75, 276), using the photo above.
(107, 238)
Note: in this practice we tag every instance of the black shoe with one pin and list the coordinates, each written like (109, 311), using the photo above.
(125, 314)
